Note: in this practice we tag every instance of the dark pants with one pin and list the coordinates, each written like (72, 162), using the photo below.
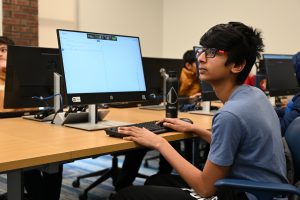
(158, 187)
(166, 186)
(132, 163)
(43, 186)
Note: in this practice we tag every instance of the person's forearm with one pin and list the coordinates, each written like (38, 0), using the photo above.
(204, 134)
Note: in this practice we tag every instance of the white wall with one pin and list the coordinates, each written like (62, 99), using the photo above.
(186, 21)
(169, 27)
(56, 14)
(141, 18)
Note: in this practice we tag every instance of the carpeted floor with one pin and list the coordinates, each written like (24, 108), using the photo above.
(80, 167)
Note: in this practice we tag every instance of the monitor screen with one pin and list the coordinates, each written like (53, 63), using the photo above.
(153, 78)
(207, 92)
(281, 78)
(101, 68)
(29, 74)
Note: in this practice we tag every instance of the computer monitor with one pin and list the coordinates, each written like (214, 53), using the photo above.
(280, 72)
(152, 69)
(207, 92)
(156, 72)
(101, 68)
(29, 76)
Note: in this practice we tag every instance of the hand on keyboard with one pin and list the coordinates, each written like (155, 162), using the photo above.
(151, 126)
(141, 133)
(142, 136)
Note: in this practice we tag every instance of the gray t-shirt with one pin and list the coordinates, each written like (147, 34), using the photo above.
(246, 136)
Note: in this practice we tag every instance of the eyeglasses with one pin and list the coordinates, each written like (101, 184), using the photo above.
(3, 50)
(209, 52)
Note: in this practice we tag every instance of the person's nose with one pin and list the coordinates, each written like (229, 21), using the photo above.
(202, 58)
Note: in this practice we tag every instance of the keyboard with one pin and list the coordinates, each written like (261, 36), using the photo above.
(151, 126)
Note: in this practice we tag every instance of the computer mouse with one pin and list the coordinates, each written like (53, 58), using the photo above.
(186, 120)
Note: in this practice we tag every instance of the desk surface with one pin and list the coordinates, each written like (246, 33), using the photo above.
(26, 143)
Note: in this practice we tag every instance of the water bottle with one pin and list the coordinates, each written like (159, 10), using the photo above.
(172, 95)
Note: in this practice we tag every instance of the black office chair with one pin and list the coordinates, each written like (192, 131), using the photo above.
(267, 191)
(104, 174)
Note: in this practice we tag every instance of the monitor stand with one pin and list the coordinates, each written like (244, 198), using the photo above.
(206, 105)
(94, 122)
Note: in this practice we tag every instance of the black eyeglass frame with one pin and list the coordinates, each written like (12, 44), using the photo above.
(209, 52)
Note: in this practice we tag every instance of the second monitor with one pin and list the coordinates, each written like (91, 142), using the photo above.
(29, 76)
(280, 72)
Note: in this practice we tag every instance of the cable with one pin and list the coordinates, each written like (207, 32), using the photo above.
(45, 99)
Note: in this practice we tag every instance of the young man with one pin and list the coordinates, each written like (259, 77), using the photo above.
(245, 141)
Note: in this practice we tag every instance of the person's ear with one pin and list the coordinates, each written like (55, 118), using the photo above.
(238, 68)
(188, 66)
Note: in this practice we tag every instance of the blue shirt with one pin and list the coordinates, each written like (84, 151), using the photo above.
(246, 136)
(291, 112)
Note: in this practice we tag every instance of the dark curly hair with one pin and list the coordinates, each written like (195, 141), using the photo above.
(6, 40)
(243, 44)
(189, 57)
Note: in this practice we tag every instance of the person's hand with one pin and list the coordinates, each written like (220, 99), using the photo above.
(177, 124)
(142, 136)
(195, 95)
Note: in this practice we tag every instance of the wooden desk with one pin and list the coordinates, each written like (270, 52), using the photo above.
(26, 143)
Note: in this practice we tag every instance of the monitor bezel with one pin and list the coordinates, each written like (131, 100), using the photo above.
(101, 97)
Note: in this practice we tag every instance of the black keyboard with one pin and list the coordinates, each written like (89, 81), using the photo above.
(151, 126)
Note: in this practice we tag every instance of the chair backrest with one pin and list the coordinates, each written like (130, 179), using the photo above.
(292, 137)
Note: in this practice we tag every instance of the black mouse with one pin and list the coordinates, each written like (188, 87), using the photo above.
(186, 120)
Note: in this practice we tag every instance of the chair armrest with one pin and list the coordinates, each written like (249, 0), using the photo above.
(258, 188)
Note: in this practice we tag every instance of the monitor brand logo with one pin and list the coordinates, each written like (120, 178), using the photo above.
(111, 97)
(76, 99)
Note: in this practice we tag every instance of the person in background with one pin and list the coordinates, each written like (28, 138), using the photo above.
(250, 80)
(39, 184)
(4, 42)
(189, 83)
(189, 80)
(245, 139)
(292, 110)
